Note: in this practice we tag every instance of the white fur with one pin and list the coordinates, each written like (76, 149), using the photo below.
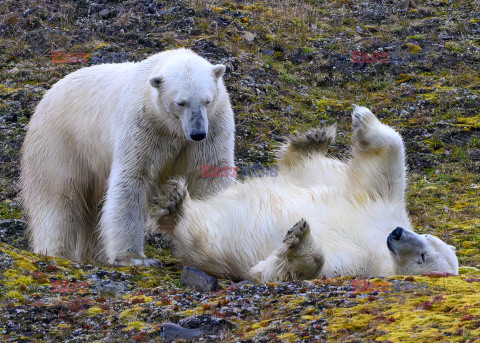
(351, 207)
(111, 132)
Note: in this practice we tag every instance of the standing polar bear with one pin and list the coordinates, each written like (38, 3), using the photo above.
(104, 135)
(354, 217)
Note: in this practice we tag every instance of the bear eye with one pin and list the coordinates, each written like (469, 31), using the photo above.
(207, 102)
(423, 257)
(181, 103)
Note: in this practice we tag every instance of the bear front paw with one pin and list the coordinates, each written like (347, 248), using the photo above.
(175, 194)
(170, 202)
(369, 133)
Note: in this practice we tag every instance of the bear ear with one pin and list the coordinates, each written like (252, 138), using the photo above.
(218, 70)
(156, 81)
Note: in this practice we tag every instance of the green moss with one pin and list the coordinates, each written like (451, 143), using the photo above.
(413, 49)
(417, 37)
(454, 46)
(136, 325)
(94, 311)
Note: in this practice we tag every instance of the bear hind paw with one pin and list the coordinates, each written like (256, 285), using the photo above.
(318, 139)
(296, 234)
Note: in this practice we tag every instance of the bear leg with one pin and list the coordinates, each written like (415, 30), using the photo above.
(316, 141)
(378, 156)
(297, 258)
(56, 228)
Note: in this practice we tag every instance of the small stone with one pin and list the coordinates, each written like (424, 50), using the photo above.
(243, 283)
(249, 36)
(12, 231)
(201, 281)
(474, 154)
(105, 13)
(170, 331)
(267, 52)
(209, 325)
(404, 113)
(170, 10)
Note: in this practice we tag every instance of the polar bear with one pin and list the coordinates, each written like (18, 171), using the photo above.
(354, 221)
(104, 135)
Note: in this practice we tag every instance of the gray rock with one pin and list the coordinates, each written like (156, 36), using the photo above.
(170, 331)
(209, 325)
(107, 286)
(105, 13)
(170, 10)
(243, 283)
(6, 262)
(249, 36)
(12, 231)
(201, 281)
(474, 154)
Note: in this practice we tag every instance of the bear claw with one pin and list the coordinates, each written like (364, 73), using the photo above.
(362, 116)
(296, 233)
(138, 262)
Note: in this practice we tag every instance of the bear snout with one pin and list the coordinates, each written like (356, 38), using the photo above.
(396, 234)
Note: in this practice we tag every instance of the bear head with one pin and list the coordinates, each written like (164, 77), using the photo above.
(419, 254)
(186, 88)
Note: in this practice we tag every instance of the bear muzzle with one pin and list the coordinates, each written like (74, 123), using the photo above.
(395, 235)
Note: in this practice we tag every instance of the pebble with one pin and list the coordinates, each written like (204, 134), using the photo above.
(201, 281)
(170, 331)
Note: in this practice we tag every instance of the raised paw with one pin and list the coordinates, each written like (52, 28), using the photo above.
(363, 118)
(369, 133)
(296, 233)
(318, 139)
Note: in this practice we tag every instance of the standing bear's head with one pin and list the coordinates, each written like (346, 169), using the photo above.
(419, 254)
(187, 87)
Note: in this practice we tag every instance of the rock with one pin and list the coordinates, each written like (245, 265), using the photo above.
(170, 331)
(249, 36)
(201, 281)
(6, 262)
(207, 324)
(168, 11)
(267, 52)
(105, 13)
(12, 231)
(474, 154)
(107, 286)
(243, 283)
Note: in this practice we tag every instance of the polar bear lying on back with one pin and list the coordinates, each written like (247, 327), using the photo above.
(354, 217)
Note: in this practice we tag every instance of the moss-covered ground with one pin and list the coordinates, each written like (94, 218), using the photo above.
(291, 65)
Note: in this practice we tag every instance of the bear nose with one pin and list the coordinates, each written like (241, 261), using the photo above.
(198, 136)
(397, 233)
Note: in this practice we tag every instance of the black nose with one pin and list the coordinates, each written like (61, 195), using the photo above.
(397, 233)
(198, 136)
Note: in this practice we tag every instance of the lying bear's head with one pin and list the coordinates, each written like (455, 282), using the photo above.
(418, 254)
(186, 88)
